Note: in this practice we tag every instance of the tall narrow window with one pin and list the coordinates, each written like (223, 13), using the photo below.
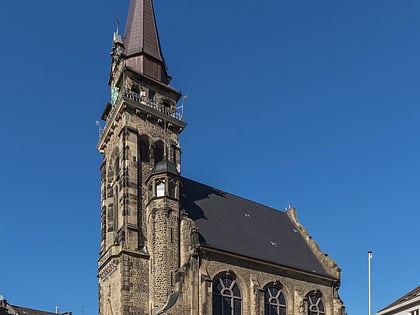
(171, 188)
(116, 210)
(315, 305)
(144, 149)
(117, 166)
(274, 301)
(110, 197)
(158, 152)
(103, 204)
(227, 299)
(174, 154)
(160, 188)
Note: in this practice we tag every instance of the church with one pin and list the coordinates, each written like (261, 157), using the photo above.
(172, 245)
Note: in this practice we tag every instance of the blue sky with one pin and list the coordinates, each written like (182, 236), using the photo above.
(312, 103)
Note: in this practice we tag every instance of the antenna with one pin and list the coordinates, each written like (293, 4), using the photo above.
(118, 25)
(100, 129)
(184, 99)
(369, 284)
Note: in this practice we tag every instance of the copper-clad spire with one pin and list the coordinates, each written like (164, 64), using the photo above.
(142, 46)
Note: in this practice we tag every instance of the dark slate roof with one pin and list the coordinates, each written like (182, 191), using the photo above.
(165, 166)
(230, 223)
(409, 296)
(141, 34)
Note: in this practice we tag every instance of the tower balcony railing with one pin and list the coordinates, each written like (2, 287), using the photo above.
(126, 93)
(160, 107)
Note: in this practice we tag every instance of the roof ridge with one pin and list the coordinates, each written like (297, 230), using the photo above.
(237, 196)
(406, 297)
(31, 309)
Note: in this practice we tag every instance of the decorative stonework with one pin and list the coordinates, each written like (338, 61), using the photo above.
(329, 263)
(107, 270)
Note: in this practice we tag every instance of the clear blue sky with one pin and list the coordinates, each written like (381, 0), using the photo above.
(313, 103)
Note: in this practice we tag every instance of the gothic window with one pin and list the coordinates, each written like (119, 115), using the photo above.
(171, 188)
(315, 305)
(110, 180)
(117, 166)
(103, 207)
(274, 301)
(116, 210)
(158, 152)
(160, 188)
(103, 224)
(227, 299)
(175, 152)
(110, 195)
(144, 149)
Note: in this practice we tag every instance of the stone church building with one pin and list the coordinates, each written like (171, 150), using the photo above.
(171, 245)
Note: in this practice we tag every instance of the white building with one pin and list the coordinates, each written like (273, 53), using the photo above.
(408, 304)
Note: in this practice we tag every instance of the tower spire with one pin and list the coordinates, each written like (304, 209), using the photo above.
(142, 45)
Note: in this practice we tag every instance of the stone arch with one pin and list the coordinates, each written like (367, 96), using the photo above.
(275, 299)
(227, 294)
(315, 303)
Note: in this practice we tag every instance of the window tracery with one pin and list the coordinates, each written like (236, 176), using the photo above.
(315, 304)
(274, 301)
(227, 298)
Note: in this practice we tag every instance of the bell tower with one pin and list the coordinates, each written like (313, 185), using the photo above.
(140, 179)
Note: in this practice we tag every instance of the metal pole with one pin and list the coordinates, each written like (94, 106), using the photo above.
(369, 284)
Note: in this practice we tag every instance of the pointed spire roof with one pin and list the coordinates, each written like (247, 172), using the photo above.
(142, 45)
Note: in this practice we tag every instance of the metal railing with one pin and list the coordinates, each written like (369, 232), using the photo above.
(160, 107)
(142, 99)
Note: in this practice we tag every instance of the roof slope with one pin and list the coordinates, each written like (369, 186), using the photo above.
(234, 224)
(141, 34)
(29, 311)
(415, 293)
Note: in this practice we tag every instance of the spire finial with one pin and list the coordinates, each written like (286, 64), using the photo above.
(142, 43)
(117, 21)
(117, 36)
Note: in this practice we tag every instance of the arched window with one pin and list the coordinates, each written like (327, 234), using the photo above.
(274, 300)
(227, 299)
(158, 152)
(174, 154)
(160, 187)
(116, 210)
(171, 188)
(315, 305)
(144, 149)
(117, 166)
